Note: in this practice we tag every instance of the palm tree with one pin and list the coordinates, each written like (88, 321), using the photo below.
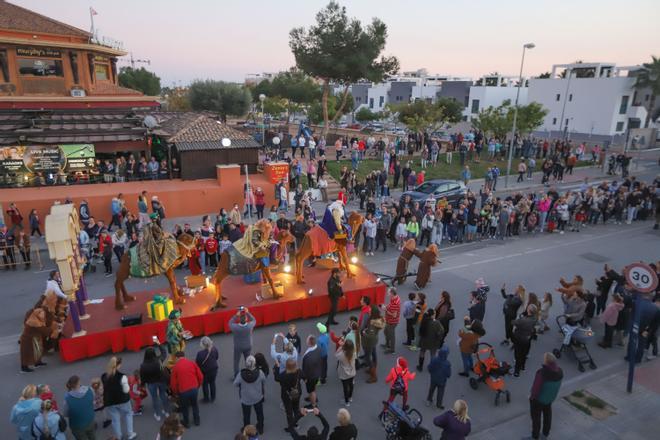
(648, 77)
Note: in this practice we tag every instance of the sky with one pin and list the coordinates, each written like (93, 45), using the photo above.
(225, 40)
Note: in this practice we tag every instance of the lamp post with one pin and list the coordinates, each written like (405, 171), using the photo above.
(262, 98)
(515, 114)
(276, 143)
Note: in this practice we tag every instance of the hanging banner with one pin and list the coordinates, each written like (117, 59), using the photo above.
(47, 158)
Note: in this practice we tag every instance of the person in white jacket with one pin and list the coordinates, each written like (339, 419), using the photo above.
(370, 228)
(119, 243)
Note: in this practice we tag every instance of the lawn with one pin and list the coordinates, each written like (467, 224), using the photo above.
(442, 170)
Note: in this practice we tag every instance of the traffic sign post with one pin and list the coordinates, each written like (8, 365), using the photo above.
(640, 279)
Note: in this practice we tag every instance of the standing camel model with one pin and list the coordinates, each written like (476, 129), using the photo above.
(329, 236)
(248, 255)
(157, 253)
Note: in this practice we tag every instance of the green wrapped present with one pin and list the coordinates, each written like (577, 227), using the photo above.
(159, 308)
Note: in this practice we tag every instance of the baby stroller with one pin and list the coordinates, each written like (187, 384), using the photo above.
(400, 424)
(491, 372)
(578, 346)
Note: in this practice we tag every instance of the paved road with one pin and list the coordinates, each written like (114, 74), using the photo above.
(535, 261)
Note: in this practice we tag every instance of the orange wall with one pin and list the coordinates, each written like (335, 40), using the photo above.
(180, 198)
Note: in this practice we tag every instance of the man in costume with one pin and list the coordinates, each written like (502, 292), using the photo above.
(332, 220)
(35, 331)
(427, 259)
(175, 333)
(409, 250)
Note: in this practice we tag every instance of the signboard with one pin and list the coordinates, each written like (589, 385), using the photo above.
(47, 158)
(38, 52)
(277, 171)
(641, 277)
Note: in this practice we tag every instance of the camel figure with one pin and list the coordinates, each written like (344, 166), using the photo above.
(158, 253)
(247, 256)
(329, 236)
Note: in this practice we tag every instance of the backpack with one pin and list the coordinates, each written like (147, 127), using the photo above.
(399, 385)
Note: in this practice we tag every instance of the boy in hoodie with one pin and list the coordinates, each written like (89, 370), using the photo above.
(392, 315)
(398, 379)
(440, 370)
(323, 340)
(544, 391)
(79, 408)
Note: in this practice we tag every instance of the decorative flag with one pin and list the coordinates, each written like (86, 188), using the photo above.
(92, 11)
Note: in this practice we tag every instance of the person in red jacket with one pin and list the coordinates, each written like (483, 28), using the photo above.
(211, 247)
(398, 379)
(185, 380)
(260, 202)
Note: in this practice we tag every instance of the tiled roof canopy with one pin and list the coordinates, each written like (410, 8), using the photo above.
(20, 19)
(195, 131)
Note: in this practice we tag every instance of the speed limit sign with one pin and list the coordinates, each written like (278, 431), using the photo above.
(642, 277)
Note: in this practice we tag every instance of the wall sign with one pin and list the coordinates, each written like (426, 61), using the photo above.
(47, 158)
(38, 52)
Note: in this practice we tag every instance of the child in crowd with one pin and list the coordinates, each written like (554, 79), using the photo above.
(590, 310)
(401, 233)
(398, 379)
(45, 393)
(420, 310)
(171, 429)
(322, 341)
(224, 244)
(412, 228)
(468, 340)
(99, 406)
(137, 392)
(211, 247)
(580, 220)
(546, 305)
(293, 337)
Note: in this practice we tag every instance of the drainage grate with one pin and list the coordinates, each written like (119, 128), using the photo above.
(596, 258)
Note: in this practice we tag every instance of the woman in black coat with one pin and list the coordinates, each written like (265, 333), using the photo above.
(291, 391)
(207, 361)
(156, 377)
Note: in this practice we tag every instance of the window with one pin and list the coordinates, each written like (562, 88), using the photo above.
(358, 99)
(570, 97)
(554, 121)
(40, 67)
(381, 101)
(619, 126)
(475, 106)
(102, 72)
(557, 97)
(624, 105)
(646, 97)
(371, 102)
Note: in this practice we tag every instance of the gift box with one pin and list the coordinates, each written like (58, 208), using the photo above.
(159, 308)
(193, 281)
(266, 292)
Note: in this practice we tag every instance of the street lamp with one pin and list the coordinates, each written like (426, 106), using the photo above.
(515, 114)
(262, 98)
(226, 142)
(276, 144)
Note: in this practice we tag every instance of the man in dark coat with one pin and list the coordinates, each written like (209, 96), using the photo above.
(334, 293)
(544, 391)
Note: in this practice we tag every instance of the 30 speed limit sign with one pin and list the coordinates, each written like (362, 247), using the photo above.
(642, 277)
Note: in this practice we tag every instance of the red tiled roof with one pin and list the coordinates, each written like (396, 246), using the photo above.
(20, 19)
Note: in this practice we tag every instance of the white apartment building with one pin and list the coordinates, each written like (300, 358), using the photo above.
(492, 91)
(589, 100)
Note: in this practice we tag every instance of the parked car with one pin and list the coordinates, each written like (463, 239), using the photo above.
(453, 190)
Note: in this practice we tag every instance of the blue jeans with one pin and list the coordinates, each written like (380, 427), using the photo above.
(467, 362)
(158, 392)
(544, 216)
(237, 357)
(369, 243)
(118, 412)
(188, 399)
(202, 261)
(370, 358)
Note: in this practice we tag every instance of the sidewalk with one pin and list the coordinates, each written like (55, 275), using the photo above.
(635, 420)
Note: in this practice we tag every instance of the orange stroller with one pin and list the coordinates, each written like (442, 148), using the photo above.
(491, 372)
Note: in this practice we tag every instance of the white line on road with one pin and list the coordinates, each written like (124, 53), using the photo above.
(9, 345)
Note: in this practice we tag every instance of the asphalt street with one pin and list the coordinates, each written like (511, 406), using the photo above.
(537, 261)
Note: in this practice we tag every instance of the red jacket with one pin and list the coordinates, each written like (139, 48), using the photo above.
(260, 198)
(211, 246)
(186, 375)
(401, 369)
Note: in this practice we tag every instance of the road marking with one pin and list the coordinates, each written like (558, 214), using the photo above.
(9, 345)
(517, 254)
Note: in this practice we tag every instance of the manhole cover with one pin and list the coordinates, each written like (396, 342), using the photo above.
(596, 258)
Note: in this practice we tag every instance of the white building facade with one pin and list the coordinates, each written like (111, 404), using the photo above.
(591, 100)
(493, 92)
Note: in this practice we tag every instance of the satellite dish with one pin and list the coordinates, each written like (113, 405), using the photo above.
(150, 122)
